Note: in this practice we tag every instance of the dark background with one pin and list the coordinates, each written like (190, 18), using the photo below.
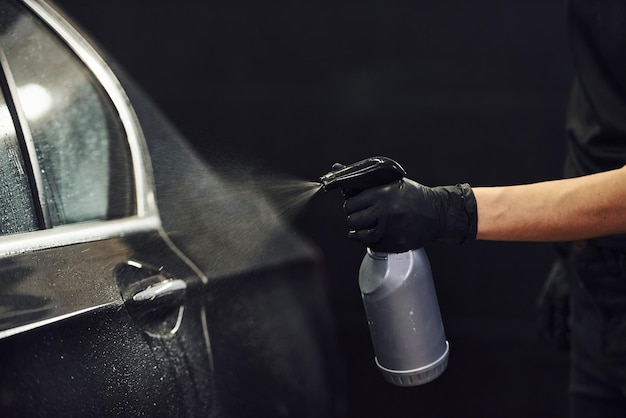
(456, 91)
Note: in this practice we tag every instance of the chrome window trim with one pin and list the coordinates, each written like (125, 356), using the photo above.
(23, 130)
(147, 217)
(75, 234)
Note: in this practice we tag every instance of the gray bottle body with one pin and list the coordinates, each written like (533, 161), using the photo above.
(403, 316)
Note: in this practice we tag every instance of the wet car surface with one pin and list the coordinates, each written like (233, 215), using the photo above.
(135, 280)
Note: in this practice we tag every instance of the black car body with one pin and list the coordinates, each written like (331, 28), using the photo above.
(135, 280)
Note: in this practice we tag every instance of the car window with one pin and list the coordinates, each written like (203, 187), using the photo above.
(82, 169)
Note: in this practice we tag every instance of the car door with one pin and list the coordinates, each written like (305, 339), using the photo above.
(99, 311)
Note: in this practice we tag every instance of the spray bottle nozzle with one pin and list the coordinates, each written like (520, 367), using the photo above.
(371, 172)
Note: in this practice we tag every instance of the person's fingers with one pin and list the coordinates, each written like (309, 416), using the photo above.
(363, 219)
(362, 201)
(365, 236)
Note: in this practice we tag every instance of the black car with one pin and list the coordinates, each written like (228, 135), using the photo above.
(136, 280)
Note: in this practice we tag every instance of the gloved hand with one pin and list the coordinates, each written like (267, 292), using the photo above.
(553, 308)
(406, 215)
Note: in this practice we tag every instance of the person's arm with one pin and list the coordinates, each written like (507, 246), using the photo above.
(406, 215)
(559, 210)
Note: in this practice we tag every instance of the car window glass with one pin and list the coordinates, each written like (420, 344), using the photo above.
(80, 142)
(17, 212)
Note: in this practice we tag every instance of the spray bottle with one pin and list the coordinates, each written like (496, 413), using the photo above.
(398, 293)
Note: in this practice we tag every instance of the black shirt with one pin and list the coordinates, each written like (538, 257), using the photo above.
(596, 117)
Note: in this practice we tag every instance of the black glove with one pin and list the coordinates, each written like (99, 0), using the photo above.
(553, 308)
(407, 215)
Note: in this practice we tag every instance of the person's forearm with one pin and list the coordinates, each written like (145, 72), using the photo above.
(559, 210)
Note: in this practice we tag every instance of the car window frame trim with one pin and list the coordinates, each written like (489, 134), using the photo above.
(27, 146)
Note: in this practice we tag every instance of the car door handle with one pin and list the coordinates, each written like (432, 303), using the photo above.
(172, 289)
(154, 300)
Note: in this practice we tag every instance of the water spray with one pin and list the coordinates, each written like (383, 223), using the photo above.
(398, 292)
